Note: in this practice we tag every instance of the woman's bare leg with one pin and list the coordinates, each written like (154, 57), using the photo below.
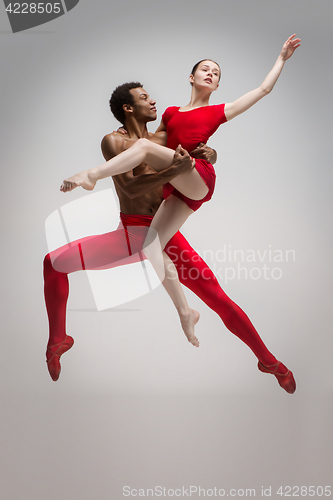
(170, 216)
(188, 317)
(143, 151)
(190, 184)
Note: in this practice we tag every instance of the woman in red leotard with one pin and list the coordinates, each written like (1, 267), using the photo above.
(188, 126)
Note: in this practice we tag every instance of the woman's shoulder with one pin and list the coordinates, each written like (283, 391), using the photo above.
(216, 112)
(170, 109)
(217, 106)
(169, 112)
(212, 111)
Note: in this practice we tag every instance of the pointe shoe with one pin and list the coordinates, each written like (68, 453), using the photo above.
(286, 380)
(53, 357)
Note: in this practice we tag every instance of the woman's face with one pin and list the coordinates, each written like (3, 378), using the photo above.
(207, 75)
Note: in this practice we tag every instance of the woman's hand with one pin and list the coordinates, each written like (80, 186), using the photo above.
(122, 130)
(289, 47)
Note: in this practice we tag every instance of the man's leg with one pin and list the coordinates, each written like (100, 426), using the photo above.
(205, 285)
(94, 252)
(194, 273)
(197, 276)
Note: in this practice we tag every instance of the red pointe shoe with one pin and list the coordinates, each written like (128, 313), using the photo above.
(53, 356)
(286, 380)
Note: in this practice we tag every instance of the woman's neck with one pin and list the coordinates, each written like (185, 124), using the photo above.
(199, 98)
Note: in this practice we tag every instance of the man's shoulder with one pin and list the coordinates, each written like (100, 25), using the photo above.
(113, 138)
(112, 144)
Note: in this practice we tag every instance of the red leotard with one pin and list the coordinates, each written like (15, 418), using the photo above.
(189, 128)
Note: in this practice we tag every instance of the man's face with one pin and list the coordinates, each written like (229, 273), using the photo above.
(144, 109)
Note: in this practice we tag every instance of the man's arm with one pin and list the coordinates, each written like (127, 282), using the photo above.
(161, 128)
(204, 152)
(137, 185)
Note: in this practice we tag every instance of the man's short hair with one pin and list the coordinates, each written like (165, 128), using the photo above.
(120, 96)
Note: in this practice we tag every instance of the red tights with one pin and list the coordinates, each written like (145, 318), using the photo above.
(110, 249)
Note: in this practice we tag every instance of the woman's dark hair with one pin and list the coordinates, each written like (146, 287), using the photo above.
(195, 67)
(120, 96)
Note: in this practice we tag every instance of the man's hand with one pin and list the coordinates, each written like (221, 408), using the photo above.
(204, 152)
(181, 160)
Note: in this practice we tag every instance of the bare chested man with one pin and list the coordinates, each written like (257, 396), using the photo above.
(140, 194)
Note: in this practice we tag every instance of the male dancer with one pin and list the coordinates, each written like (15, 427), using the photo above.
(140, 194)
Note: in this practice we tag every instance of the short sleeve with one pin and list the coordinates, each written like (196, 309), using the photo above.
(221, 115)
(167, 115)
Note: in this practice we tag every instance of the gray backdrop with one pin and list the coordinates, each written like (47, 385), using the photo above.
(136, 405)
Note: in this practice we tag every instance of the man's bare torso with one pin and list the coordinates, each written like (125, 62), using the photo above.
(142, 204)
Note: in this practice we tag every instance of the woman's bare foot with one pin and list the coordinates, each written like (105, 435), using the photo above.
(188, 321)
(83, 179)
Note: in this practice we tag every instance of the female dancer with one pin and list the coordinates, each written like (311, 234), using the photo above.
(189, 126)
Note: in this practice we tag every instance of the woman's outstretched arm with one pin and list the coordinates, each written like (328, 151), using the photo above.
(245, 102)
